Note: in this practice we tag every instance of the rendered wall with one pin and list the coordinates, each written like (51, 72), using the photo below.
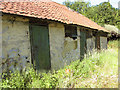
(15, 42)
(103, 42)
(90, 42)
(63, 49)
(56, 39)
(71, 50)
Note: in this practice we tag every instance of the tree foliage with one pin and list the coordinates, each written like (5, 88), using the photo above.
(102, 14)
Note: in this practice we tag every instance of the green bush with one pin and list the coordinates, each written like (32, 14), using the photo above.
(113, 44)
(29, 79)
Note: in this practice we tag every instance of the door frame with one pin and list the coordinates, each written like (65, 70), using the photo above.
(83, 30)
(31, 40)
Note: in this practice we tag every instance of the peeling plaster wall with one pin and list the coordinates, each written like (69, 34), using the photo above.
(56, 39)
(103, 42)
(90, 44)
(71, 50)
(62, 50)
(15, 42)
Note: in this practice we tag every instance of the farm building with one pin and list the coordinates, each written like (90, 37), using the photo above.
(114, 32)
(46, 34)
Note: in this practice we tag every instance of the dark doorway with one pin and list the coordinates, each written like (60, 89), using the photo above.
(40, 47)
(97, 40)
(97, 43)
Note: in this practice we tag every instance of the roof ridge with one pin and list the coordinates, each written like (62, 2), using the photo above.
(57, 3)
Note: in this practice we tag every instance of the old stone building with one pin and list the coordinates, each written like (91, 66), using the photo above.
(46, 34)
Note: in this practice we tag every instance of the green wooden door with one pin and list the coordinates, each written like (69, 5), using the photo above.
(40, 47)
(82, 44)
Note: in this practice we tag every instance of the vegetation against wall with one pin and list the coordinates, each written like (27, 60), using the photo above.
(97, 71)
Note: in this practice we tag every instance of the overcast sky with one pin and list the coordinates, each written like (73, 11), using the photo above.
(95, 2)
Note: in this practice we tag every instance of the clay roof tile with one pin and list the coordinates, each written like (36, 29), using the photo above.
(49, 10)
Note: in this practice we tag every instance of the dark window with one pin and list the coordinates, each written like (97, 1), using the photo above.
(71, 32)
(94, 33)
(89, 34)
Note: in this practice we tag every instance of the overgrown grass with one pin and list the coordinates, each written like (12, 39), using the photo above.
(98, 71)
(113, 44)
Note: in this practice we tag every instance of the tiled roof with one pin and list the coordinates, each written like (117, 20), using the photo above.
(47, 9)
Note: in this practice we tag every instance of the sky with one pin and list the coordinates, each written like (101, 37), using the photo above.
(114, 3)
